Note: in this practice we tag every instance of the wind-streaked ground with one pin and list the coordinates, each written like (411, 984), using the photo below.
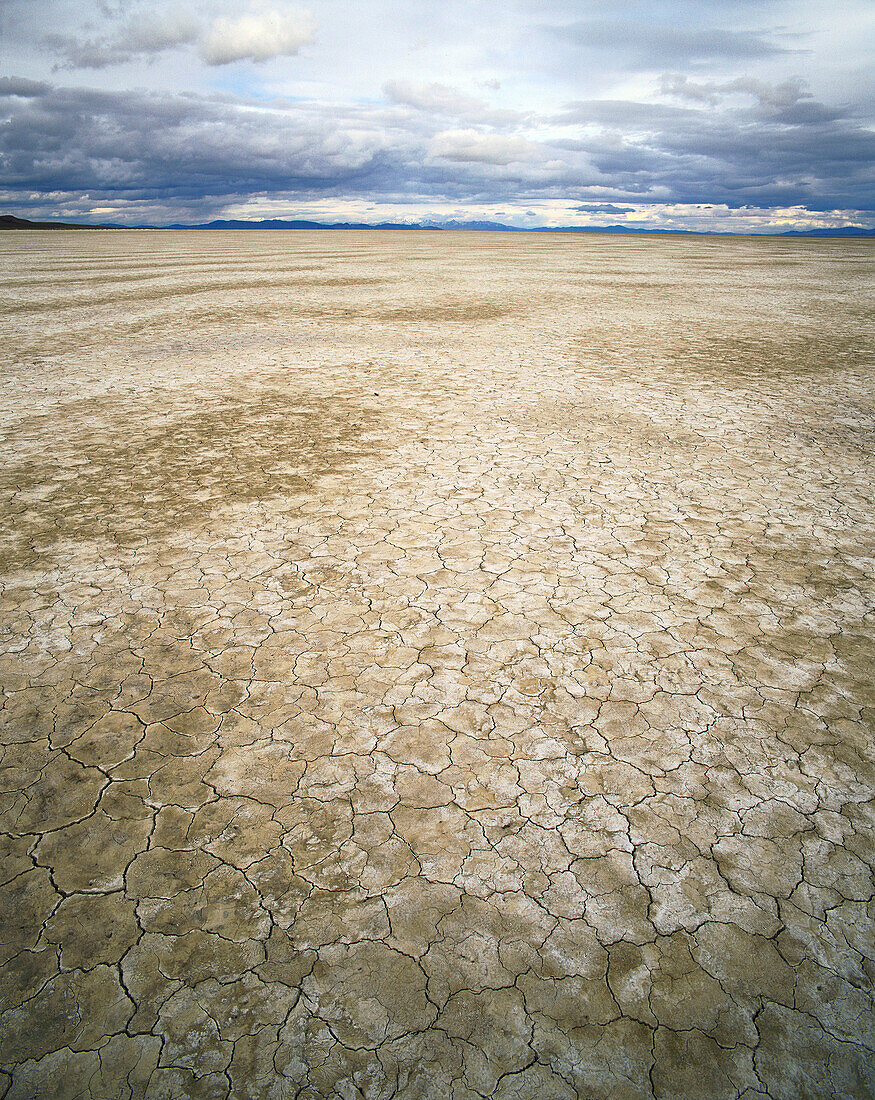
(436, 665)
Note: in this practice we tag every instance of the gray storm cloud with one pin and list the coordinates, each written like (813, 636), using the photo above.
(649, 44)
(161, 145)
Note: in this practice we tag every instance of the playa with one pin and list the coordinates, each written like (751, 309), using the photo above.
(436, 665)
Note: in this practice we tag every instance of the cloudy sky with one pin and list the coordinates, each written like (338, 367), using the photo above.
(710, 114)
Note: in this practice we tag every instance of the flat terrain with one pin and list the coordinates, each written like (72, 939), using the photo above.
(436, 665)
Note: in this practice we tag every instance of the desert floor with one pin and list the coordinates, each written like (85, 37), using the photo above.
(436, 665)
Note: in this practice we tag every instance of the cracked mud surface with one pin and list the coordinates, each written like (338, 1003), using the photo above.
(436, 666)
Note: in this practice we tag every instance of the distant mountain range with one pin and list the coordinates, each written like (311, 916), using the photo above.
(9, 221)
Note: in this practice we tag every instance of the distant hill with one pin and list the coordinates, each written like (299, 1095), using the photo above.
(9, 221)
(842, 231)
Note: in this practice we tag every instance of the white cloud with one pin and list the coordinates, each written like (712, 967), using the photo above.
(431, 97)
(257, 37)
(441, 99)
(473, 146)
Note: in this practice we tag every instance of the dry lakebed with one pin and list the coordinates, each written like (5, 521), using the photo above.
(436, 665)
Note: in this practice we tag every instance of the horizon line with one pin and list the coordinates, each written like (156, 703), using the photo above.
(472, 226)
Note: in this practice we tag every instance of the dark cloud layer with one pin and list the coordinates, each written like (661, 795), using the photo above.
(605, 209)
(22, 87)
(208, 151)
(82, 139)
(655, 45)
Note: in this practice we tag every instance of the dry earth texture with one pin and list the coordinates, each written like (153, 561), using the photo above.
(436, 665)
